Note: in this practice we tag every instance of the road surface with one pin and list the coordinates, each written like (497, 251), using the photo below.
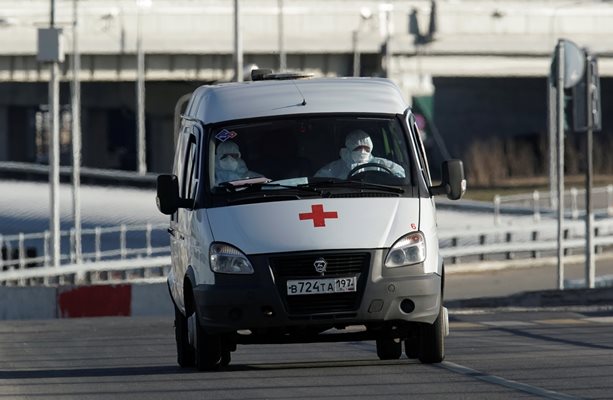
(552, 355)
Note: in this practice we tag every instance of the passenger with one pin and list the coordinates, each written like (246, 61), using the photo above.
(229, 166)
(357, 151)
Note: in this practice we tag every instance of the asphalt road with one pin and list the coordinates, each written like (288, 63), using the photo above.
(557, 355)
(518, 279)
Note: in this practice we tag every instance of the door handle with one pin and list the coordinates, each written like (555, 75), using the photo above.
(175, 233)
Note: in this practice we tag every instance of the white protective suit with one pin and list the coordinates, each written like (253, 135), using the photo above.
(232, 167)
(353, 154)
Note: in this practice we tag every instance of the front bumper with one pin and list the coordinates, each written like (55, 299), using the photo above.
(259, 301)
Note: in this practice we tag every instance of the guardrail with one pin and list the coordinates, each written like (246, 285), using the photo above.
(539, 202)
(521, 242)
(126, 262)
(26, 255)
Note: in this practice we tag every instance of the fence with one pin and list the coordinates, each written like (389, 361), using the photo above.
(540, 202)
(150, 262)
(521, 242)
(26, 255)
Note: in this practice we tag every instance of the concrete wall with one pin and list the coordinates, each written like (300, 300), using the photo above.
(468, 109)
(506, 120)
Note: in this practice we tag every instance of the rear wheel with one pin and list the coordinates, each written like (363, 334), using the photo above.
(411, 347)
(432, 340)
(225, 358)
(389, 348)
(185, 351)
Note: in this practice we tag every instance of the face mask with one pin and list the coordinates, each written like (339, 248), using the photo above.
(228, 163)
(360, 156)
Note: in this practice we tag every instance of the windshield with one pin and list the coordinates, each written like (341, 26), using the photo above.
(301, 153)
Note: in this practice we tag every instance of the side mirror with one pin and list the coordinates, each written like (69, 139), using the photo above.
(167, 194)
(453, 183)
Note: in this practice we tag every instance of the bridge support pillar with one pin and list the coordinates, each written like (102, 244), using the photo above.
(4, 134)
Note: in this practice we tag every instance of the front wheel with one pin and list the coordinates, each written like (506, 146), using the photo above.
(185, 351)
(432, 340)
(208, 349)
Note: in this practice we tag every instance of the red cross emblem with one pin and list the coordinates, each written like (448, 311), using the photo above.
(318, 215)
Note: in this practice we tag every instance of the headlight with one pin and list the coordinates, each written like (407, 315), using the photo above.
(409, 249)
(228, 259)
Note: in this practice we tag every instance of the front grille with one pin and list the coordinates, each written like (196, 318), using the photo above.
(301, 266)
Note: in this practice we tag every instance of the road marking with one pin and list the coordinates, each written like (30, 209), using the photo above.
(507, 323)
(503, 324)
(497, 380)
(464, 325)
(561, 321)
(602, 320)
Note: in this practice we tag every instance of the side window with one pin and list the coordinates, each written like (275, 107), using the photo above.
(178, 163)
(421, 150)
(180, 155)
(190, 181)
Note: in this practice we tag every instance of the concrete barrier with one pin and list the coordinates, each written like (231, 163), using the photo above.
(27, 302)
(153, 299)
(85, 301)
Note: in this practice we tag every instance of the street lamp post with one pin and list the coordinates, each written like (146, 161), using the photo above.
(385, 14)
(238, 43)
(76, 135)
(140, 89)
(50, 50)
(282, 55)
(365, 15)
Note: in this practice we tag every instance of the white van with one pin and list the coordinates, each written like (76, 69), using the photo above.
(302, 211)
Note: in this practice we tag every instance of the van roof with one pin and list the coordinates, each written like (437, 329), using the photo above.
(233, 101)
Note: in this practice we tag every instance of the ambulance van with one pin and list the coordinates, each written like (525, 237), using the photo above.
(301, 210)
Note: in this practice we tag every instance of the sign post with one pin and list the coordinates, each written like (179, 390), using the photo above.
(587, 118)
(568, 66)
(50, 50)
(560, 160)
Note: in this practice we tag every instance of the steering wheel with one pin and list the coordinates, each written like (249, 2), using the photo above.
(355, 169)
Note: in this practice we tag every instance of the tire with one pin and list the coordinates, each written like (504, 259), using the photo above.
(185, 351)
(432, 340)
(208, 349)
(225, 358)
(389, 348)
(411, 347)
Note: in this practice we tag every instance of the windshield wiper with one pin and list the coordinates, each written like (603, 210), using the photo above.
(253, 187)
(335, 182)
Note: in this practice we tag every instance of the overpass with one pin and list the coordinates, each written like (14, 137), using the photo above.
(481, 49)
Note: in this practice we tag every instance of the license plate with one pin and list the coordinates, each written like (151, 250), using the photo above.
(321, 286)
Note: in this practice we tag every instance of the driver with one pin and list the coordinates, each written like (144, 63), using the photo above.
(357, 151)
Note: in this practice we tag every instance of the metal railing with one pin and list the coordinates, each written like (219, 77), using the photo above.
(26, 255)
(540, 202)
(513, 243)
(125, 261)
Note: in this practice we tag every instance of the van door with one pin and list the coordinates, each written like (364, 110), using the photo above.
(185, 168)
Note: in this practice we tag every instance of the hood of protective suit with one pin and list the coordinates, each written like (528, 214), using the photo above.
(315, 224)
(229, 168)
(356, 139)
